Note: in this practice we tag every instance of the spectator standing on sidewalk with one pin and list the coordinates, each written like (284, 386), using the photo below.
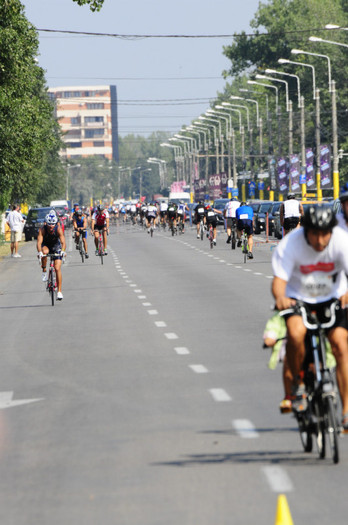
(15, 220)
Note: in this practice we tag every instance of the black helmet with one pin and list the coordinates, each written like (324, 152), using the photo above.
(243, 203)
(319, 217)
(291, 196)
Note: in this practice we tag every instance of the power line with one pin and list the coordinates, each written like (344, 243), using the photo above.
(235, 35)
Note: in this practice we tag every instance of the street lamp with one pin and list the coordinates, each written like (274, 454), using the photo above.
(333, 26)
(68, 166)
(178, 157)
(300, 52)
(216, 141)
(316, 96)
(317, 39)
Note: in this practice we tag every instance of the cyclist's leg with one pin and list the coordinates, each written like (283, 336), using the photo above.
(96, 238)
(338, 340)
(295, 345)
(57, 267)
(85, 242)
(105, 240)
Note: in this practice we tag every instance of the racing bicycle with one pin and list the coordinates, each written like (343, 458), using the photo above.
(245, 246)
(80, 244)
(51, 285)
(320, 419)
(201, 228)
(211, 236)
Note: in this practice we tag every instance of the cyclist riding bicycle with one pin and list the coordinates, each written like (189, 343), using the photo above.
(172, 214)
(290, 212)
(211, 219)
(199, 212)
(100, 222)
(50, 239)
(230, 216)
(163, 211)
(182, 208)
(151, 215)
(310, 264)
(80, 224)
(245, 219)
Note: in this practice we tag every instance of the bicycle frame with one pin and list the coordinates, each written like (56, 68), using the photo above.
(320, 418)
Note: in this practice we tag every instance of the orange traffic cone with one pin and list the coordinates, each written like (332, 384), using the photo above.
(283, 516)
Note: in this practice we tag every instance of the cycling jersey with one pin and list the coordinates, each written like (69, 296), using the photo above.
(211, 216)
(291, 209)
(172, 209)
(51, 239)
(311, 276)
(100, 218)
(163, 206)
(230, 209)
(181, 209)
(151, 211)
(199, 209)
(245, 212)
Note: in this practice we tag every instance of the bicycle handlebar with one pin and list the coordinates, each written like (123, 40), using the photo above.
(310, 319)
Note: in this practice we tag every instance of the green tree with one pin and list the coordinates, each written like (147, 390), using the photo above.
(281, 25)
(28, 131)
(94, 5)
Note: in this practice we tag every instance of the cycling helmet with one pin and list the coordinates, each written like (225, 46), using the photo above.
(319, 217)
(243, 203)
(344, 193)
(291, 196)
(51, 218)
(79, 213)
(207, 207)
(100, 208)
(76, 204)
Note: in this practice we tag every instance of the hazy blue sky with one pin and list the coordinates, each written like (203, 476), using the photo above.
(144, 70)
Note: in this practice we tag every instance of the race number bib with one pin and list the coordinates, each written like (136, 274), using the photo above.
(316, 284)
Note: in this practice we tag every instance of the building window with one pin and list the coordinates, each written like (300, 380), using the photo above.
(71, 94)
(75, 121)
(89, 120)
(91, 133)
(73, 144)
(95, 105)
(98, 143)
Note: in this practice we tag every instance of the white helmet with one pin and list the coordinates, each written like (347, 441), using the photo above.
(51, 218)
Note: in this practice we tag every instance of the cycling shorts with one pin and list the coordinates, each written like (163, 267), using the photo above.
(290, 223)
(231, 221)
(322, 309)
(100, 227)
(84, 234)
(163, 213)
(245, 224)
(54, 247)
(171, 215)
(213, 222)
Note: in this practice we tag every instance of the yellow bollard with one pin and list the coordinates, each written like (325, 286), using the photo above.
(283, 516)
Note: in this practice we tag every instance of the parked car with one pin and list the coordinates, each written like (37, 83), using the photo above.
(274, 211)
(220, 204)
(35, 220)
(260, 216)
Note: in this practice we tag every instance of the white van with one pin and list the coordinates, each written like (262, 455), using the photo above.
(178, 197)
(54, 204)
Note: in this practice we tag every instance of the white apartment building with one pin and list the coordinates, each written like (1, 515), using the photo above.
(88, 119)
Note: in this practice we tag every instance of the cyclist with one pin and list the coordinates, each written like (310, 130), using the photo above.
(172, 214)
(100, 222)
(245, 219)
(230, 216)
(151, 215)
(182, 208)
(290, 212)
(310, 265)
(199, 212)
(80, 224)
(210, 219)
(50, 239)
(163, 212)
(342, 218)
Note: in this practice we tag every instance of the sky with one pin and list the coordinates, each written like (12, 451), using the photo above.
(162, 83)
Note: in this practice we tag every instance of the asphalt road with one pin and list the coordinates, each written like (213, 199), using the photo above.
(144, 397)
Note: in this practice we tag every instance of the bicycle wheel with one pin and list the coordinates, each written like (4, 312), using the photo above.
(51, 284)
(233, 241)
(82, 252)
(332, 428)
(320, 428)
(201, 232)
(211, 237)
(305, 432)
(151, 230)
(101, 249)
(245, 250)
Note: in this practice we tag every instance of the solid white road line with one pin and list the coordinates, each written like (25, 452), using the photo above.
(220, 395)
(245, 428)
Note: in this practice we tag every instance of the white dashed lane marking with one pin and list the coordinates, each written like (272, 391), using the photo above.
(199, 369)
(171, 335)
(278, 479)
(181, 350)
(220, 395)
(160, 324)
(245, 428)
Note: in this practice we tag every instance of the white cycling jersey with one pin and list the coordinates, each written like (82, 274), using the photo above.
(312, 276)
(163, 206)
(291, 209)
(151, 211)
(230, 209)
